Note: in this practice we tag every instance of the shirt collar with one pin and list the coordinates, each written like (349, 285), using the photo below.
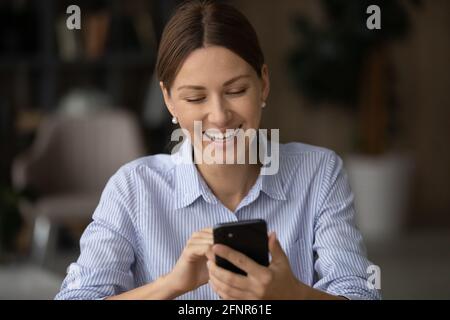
(189, 185)
(272, 185)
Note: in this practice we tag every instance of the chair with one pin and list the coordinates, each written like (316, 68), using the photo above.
(68, 165)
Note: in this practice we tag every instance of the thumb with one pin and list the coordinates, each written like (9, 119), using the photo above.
(275, 248)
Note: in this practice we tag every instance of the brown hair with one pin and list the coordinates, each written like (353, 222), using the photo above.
(197, 24)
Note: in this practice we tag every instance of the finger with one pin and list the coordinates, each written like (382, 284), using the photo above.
(203, 235)
(210, 255)
(195, 239)
(216, 290)
(276, 251)
(230, 278)
(198, 249)
(227, 292)
(200, 241)
(238, 259)
(224, 292)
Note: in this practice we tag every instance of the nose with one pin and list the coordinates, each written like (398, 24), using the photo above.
(219, 114)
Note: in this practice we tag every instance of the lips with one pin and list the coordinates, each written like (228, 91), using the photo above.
(218, 136)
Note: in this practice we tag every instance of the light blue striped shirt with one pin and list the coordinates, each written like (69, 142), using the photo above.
(151, 207)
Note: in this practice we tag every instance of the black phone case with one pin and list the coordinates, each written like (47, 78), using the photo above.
(248, 237)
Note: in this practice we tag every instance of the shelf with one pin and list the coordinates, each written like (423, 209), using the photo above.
(35, 78)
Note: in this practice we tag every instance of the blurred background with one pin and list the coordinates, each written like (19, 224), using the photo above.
(77, 104)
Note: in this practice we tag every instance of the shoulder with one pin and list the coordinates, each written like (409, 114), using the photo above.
(160, 163)
(302, 151)
(307, 161)
(159, 166)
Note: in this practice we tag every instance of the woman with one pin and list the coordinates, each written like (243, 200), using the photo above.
(151, 235)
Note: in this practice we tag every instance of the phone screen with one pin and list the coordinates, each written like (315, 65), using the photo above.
(248, 237)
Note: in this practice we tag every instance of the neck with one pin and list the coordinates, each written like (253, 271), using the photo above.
(230, 183)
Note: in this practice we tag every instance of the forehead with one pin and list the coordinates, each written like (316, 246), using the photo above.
(211, 65)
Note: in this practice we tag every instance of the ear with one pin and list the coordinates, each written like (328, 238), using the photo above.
(167, 99)
(265, 82)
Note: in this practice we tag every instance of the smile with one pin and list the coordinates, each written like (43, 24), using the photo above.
(215, 135)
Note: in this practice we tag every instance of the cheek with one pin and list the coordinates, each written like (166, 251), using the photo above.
(253, 104)
(188, 124)
(186, 119)
(250, 111)
(187, 114)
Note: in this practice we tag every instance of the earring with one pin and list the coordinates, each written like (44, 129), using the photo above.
(174, 120)
(263, 105)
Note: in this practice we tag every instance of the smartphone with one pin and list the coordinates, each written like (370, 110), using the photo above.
(248, 237)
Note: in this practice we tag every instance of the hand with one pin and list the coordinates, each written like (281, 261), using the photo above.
(273, 282)
(190, 271)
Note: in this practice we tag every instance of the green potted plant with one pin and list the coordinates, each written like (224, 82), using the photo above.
(345, 64)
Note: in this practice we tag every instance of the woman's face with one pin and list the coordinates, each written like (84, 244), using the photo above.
(220, 90)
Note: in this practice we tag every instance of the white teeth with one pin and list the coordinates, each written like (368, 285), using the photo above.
(215, 135)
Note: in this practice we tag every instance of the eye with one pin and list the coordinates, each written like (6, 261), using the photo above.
(237, 92)
(195, 100)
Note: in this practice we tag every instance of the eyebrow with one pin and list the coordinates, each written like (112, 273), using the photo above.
(227, 83)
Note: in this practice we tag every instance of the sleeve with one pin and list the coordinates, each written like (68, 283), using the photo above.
(107, 247)
(341, 263)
